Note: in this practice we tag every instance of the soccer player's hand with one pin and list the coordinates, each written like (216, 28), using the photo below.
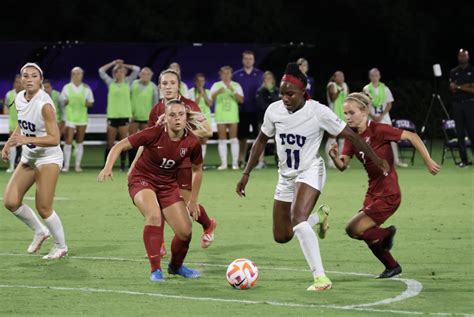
(17, 140)
(240, 189)
(161, 119)
(6, 152)
(193, 209)
(104, 174)
(334, 151)
(433, 167)
(384, 166)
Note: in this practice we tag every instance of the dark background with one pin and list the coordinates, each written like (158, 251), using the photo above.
(402, 38)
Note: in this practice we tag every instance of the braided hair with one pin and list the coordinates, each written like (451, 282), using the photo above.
(294, 70)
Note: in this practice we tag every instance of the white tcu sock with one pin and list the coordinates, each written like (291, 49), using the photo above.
(67, 155)
(313, 219)
(28, 216)
(234, 149)
(56, 228)
(203, 149)
(394, 145)
(12, 157)
(310, 245)
(222, 147)
(79, 152)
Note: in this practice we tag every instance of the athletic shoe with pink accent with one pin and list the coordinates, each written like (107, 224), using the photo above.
(207, 236)
(38, 240)
(56, 253)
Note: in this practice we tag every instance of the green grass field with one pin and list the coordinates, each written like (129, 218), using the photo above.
(107, 274)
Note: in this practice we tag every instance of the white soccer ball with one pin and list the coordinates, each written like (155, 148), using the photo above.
(242, 274)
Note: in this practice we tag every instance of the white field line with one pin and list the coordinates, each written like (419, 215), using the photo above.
(33, 198)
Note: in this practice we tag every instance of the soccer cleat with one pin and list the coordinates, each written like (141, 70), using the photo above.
(388, 273)
(38, 240)
(56, 253)
(261, 165)
(157, 276)
(78, 169)
(387, 243)
(235, 167)
(184, 272)
(222, 167)
(320, 284)
(65, 169)
(10, 170)
(163, 250)
(323, 225)
(207, 236)
(401, 164)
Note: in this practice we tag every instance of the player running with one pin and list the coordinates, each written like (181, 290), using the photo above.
(298, 125)
(383, 195)
(40, 164)
(153, 187)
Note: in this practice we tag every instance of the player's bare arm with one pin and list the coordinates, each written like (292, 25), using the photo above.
(415, 140)
(342, 161)
(114, 153)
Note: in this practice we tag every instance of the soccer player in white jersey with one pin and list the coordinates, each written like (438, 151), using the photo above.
(298, 124)
(41, 162)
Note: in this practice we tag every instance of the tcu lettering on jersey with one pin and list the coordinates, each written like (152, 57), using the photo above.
(25, 125)
(291, 139)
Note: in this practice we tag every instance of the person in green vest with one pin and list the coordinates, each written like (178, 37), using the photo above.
(382, 101)
(227, 95)
(202, 97)
(336, 93)
(183, 88)
(144, 94)
(10, 109)
(76, 97)
(119, 104)
(54, 94)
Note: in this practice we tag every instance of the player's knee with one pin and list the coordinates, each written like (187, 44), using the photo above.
(282, 237)
(352, 232)
(153, 220)
(11, 204)
(45, 210)
(184, 235)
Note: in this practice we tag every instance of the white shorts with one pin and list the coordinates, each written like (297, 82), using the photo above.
(314, 177)
(54, 156)
(74, 125)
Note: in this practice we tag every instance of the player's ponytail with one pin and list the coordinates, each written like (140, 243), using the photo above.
(362, 100)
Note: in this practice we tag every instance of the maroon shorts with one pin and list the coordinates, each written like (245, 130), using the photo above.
(380, 209)
(167, 195)
(185, 178)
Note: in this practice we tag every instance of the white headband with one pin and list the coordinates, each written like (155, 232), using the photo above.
(32, 65)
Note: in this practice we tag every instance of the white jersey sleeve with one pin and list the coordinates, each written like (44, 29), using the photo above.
(268, 126)
(388, 95)
(330, 121)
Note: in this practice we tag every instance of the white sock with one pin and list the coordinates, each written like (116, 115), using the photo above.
(234, 149)
(56, 228)
(67, 155)
(28, 216)
(203, 149)
(313, 219)
(310, 246)
(222, 147)
(12, 157)
(79, 152)
(394, 145)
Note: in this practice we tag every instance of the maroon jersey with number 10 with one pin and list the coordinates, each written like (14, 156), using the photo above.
(378, 136)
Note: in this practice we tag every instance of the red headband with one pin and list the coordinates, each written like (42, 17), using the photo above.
(294, 80)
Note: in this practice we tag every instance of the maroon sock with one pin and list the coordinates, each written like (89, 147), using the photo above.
(153, 237)
(179, 249)
(162, 231)
(203, 218)
(374, 234)
(384, 256)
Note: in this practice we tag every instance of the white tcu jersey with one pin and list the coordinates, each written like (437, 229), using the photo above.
(31, 123)
(298, 135)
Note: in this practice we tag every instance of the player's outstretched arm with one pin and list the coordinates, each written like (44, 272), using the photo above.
(6, 147)
(114, 153)
(257, 149)
(137, 156)
(360, 145)
(342, 161)
(415, 140)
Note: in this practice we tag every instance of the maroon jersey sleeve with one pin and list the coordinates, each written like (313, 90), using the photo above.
(145, 137)
(388, 132)
(191, 105)
(196, 153)
(153, 116)
(348, 148)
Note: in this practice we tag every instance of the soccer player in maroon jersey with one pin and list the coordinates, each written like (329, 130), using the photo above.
(153, 184)
(383, 195)
(169, 84)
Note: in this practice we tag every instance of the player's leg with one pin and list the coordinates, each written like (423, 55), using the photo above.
(80, 135)
(459, 119)
(123, 133)
(282, 227)
(110, 139)
(204, 147)
(179, 220)
(222, 145)
(142, 126)
(234, 145)
(20, 182)
(67, 149)
(148, 205)
(133, 128)
(46, 178)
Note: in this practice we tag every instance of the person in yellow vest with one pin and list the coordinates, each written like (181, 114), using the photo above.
(144, 94)
(382, 100)
(54, 94)
(76, 97)
(119, 104)
(202, 97)
(183, 88)
(10, 109)
(227, 95)
(336, 93)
